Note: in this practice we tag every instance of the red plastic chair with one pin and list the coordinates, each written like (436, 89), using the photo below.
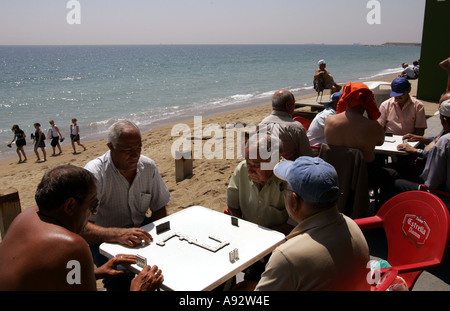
(305, 122)
(422, 187)
(416, 224)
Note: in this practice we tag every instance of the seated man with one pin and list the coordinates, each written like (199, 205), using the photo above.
(253, 191)
(290, 132)
(43, 250)
(402, 114)
(349, 127)
(436, 174)
(408, 72)
(315, 132)
(324, 80)
(128, 185)
(253, 194)
(326, 250)
(427, 142)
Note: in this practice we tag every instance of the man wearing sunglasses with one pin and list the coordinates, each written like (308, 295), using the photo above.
(43, 249)
(326, 250)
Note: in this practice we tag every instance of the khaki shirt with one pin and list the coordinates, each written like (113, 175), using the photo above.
(326, 251)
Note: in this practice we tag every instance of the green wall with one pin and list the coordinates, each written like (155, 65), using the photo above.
(435, 48)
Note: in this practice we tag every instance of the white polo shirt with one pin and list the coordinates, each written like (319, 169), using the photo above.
(121, 204)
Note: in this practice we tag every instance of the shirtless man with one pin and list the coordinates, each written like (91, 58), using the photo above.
(349, 127)
(43, 250)
(325, 79)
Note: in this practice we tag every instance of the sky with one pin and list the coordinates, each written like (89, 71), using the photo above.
(44, 22)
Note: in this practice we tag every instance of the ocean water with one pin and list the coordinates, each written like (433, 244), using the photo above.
(152, 85)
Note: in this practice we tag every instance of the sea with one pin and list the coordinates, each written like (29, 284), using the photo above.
(156, 84)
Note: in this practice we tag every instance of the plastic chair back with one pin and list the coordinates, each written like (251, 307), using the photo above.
(416, 224)
(305, 122)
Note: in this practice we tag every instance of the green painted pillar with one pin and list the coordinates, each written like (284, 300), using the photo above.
(435, 48)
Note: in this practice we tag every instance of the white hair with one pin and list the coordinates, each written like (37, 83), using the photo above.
(116, 130)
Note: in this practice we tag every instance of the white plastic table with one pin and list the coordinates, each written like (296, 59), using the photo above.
(390, 145)
(202, 249)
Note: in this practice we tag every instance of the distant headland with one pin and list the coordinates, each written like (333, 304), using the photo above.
(396, 44)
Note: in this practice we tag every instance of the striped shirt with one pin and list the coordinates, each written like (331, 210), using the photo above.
(121, 204)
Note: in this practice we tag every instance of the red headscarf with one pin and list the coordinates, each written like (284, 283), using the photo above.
(355, 94)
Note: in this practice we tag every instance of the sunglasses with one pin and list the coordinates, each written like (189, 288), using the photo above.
(93, 206)
(282, 187)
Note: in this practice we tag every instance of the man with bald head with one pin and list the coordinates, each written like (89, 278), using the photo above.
(280, 123)
(128, 185)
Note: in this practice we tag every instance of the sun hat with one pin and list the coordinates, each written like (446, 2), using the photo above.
(311, 178)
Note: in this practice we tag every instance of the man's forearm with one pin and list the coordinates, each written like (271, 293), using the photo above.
(95, 234)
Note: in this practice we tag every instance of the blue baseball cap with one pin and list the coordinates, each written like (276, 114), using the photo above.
(335, 97)
(313, 179)
(399, 86)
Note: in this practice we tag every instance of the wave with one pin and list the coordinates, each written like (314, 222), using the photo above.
(71, 78)
(383, 73)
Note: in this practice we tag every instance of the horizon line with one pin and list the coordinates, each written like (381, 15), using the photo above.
(210, 44)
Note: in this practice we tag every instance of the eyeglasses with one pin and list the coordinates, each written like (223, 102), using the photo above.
(282, 187)
(93, 206)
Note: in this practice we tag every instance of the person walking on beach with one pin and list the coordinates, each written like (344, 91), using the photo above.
(43, 249)
(39, 142)
(75, 135)
(54, 133)
(20, 138)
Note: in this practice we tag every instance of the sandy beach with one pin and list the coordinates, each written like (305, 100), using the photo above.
(206, 187)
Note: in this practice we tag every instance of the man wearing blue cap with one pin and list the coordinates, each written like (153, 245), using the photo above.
(402, 114)
(326, 250)
(315, 132)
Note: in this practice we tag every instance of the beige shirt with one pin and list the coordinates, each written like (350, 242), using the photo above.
(326, 251)
(291, 133)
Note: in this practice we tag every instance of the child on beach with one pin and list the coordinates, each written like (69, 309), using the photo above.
(39, 139)
(19, 137)
(75, 135)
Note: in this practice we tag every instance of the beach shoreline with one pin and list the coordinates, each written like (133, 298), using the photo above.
(206, 187)
(261, 100)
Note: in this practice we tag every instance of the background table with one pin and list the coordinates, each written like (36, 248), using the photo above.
(390, 145)
(187, 266)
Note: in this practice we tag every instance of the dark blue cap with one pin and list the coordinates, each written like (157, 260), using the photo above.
(399, 86)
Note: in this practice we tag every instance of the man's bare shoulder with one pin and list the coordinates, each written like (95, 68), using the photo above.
(35, 254)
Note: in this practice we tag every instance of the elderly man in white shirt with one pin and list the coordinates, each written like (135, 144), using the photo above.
(128, 185)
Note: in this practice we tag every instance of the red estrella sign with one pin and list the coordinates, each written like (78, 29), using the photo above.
(415, 228)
